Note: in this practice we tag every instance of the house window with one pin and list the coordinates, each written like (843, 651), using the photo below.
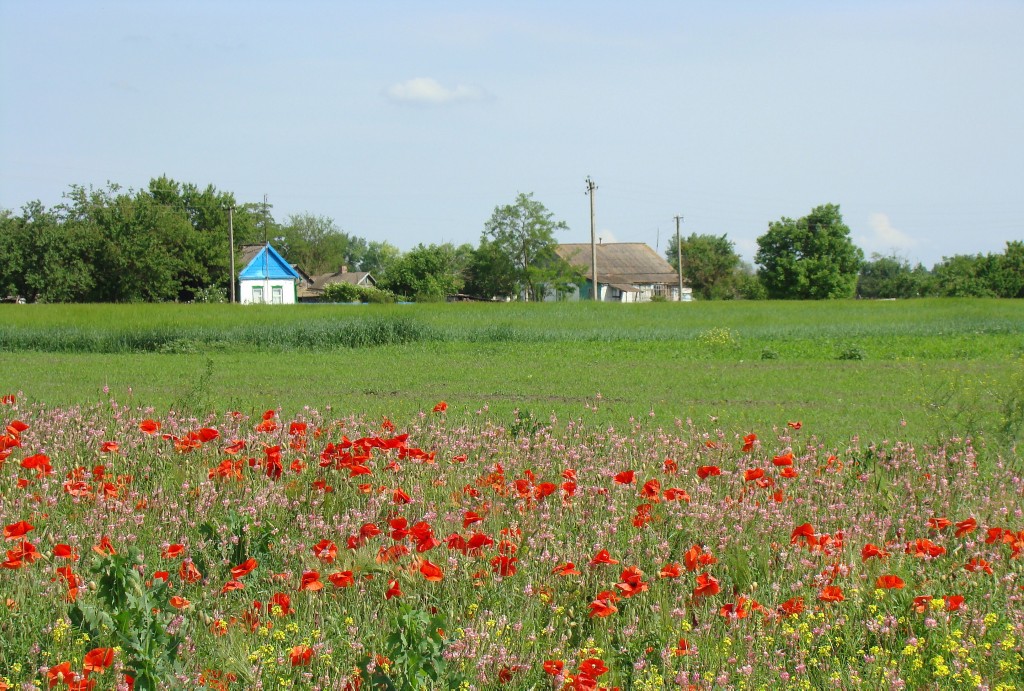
(257, 293)
(277, 295)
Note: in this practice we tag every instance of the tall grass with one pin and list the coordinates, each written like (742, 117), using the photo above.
(930, 329)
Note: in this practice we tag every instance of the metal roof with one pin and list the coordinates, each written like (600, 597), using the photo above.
(622, 263)
(263, 262)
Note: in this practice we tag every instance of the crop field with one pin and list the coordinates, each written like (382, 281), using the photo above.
(741, 495)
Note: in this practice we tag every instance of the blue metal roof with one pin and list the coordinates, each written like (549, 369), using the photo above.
(267, 264)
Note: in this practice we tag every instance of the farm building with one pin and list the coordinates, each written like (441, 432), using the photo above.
(266, 277)
(311, 289)
(626, 272)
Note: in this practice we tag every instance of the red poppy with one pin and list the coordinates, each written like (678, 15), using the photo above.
(104, 548)
(676, 494)
(149, 426)
(441, 407)
(626, 477)
(63, 551)
(232, 585)
(923, 547)
(245, 568)
(593, 667)
(889, 582)
(603, 557)
(394, 590)
(172, 551)
(432, 572)
(792, 606)
(803, 533)
(683, 648)
(978, 564)
(831, 593)
(554, 667)
(300, 655)
(753, 474)
(670, 571)
(471, 517)
(342, 579)
(97, 660)
(651, 490)
(400, 497)
(795, 425)
(631, 582)
(748, 442)
(939, 523)
(965, 527)
(60, 674)
(706, 586)
(602, 607)
(871, 550)
(504, 565)
(705, 471)
(178, 602)
(785, 459)
(696, 557)
(311, 581)
(326, 551)
(280, 604)
(954, 603)
(566, 569)
(18, 530)
(188, 572)
(8, 399)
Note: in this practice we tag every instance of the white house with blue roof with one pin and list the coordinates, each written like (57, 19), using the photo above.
(267, 278)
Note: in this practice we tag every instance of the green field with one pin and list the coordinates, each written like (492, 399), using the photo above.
(912, 369)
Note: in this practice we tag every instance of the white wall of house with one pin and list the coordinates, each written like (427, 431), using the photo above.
(267, 292)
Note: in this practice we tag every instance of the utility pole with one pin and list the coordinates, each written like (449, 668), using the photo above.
(231, 241)
(593, 239)
(679, 258)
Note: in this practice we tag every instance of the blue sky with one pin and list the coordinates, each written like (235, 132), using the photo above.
(411, 121)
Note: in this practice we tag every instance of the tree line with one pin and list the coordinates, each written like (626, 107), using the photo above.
(169, 242)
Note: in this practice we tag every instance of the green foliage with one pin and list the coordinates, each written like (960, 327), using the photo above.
(519, 245)
(892, 277)
(812, 258)
(990, 275)
(710, 265)
(135, 617)
(348, 292)
(413, 654)
(316, 244)
(427, 273)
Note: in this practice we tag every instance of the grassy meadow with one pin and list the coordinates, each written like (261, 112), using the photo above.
(567, 496)
(876, 369)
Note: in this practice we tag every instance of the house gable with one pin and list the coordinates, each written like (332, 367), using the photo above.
(265, 264)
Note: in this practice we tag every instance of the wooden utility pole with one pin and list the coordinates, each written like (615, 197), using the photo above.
(593, 240)
(679, 258)
(231, 253)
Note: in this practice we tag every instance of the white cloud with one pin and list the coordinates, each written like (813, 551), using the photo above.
(885, 236)
(430, 91)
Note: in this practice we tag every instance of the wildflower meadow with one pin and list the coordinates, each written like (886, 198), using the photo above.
(310, 550)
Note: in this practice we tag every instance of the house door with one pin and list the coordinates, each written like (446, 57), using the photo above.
(257, 294)
(277, 295)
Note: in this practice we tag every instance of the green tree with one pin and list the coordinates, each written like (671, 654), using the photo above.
(524, 234)
(965, 275)
(316, 244)
(379, 255)
(426, 273)
(710, 265)
(891, 277)
(1008, 281)
(812, 258)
